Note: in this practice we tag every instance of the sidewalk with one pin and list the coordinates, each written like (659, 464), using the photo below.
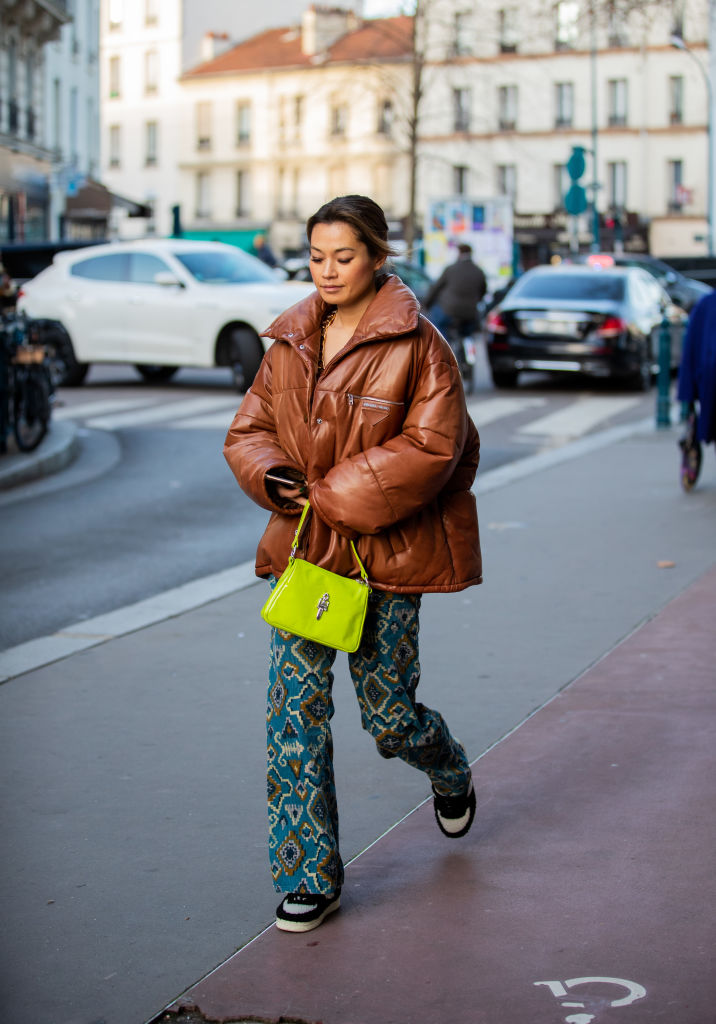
(586, 884)
(56, 451)
(134, 810)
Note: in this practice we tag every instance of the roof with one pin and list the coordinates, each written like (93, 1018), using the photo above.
(378, 39)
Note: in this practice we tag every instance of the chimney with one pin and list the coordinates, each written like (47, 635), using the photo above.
(212, 44)
(322, 26)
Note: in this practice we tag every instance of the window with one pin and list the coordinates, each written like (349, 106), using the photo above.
(616, 28)
(567, 27)
(203, 125)
(617, 102)
(462, 36)
(617, 185)
(114, 267)
(151, 72)
(151, 12)
(560, 184)
(74, 124)
(339, 119)
(507, 22)
(57, 116)
(298, 108)
(114, 77)
(243, 196)
(385, 117)
(144, 267)
(115, 13)
(675, 180)
(564, 105)
(115, 141)
(676, 99)
(461, 110)
(203, 204)
(507, 107)
(30, 95)
(507, 181)
(243, 123)
(459, 180)
(150, 143)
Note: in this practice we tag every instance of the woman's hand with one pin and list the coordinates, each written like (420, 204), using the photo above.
(296, 494)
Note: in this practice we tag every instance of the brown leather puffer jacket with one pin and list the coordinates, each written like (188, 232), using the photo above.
(384, 440)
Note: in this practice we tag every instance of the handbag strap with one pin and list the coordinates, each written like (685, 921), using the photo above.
(294, 546)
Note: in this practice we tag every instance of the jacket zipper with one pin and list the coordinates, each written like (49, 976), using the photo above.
(370, 402)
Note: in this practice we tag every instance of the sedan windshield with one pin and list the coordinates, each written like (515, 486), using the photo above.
(231, 267)
(570, 286)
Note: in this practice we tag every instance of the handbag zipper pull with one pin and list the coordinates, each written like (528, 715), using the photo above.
(323, 605)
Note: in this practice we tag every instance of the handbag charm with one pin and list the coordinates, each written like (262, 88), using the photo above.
(318, 604)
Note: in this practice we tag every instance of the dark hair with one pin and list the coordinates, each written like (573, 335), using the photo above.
(464, 248)
(363, 215)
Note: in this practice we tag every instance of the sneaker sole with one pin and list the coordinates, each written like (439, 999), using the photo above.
(307, 926)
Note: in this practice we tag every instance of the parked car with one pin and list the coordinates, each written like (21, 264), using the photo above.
(683, 291)
(158, 304)
(579, 319)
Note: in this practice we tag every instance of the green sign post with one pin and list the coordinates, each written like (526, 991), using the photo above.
(575, 201)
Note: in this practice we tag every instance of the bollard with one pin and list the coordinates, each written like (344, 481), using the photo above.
(663, 399)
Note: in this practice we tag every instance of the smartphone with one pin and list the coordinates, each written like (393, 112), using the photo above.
(287, 481)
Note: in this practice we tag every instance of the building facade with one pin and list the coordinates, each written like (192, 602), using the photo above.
(259, 134)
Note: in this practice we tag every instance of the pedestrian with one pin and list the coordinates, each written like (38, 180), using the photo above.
(263, 251)
(358, 405)
(697, 372)
(453, 298)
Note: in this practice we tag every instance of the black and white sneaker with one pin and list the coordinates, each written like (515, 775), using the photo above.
(303, 911)
(455, 814)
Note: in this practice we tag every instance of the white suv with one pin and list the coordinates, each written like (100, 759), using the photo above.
(159, 304)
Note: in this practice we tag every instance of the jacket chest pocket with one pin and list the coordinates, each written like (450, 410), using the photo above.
(375, 410)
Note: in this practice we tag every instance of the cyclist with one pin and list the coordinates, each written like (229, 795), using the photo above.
(452, 300)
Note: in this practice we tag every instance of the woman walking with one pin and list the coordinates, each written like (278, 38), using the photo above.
(358, 407)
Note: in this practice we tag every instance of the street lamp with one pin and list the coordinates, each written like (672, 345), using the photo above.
(679, 43)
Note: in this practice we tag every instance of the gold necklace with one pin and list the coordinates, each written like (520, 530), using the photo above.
(325, 324)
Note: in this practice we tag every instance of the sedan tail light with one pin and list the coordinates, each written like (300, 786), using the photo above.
(496, 323)
(612, 327)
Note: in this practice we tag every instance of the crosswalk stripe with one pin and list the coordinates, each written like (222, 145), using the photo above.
(82, 410)
(491, 409)
(578, 417)
(165, 411)
(207, 422)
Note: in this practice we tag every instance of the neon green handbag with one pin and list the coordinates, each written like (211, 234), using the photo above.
(317, 604)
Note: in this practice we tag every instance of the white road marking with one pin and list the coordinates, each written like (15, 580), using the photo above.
(208, 422)
(491, 409)
(578, 417)
(165, 411)
(82, 410)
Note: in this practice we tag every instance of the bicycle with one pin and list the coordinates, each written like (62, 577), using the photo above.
(25, 384)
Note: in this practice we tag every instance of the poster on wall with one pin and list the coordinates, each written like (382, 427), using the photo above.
(485, 224)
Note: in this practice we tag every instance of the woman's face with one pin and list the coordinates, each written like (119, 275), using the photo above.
(342, 269)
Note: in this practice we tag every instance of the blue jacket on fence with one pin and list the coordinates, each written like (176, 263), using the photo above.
(697, 373)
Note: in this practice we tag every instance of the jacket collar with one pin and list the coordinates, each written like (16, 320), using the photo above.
(393, 311)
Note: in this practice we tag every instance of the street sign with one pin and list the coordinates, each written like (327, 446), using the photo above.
(575, 201)
(576, 165)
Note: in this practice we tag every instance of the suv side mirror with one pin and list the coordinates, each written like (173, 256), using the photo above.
(168, 280)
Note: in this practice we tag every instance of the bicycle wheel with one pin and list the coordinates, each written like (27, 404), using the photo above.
(30, 408)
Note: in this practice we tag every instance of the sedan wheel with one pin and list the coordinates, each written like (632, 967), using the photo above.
(246, 355)
(65, 370)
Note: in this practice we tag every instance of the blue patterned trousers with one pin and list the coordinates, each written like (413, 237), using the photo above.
(303, 814)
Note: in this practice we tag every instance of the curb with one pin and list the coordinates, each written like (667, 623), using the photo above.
(57, 450)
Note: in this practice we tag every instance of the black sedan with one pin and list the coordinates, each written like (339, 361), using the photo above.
(575, 319)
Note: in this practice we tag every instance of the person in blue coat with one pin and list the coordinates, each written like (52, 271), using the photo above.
(697, 372)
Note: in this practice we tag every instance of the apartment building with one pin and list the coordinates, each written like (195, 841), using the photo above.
(285, 120)
(259, 134)
(26, 154)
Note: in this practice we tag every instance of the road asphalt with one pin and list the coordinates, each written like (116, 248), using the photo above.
(580, 677)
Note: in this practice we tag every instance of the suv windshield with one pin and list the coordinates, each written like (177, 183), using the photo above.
(596, 285)
(232, 267)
